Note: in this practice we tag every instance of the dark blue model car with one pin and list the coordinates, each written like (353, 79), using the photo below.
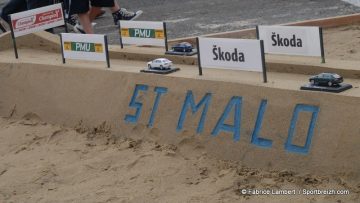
(182, 47)
(328, 79)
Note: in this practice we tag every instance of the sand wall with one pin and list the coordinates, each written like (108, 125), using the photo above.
(324, 128)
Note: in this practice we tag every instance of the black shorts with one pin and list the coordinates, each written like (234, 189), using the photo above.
(37, 4)
(82, 6)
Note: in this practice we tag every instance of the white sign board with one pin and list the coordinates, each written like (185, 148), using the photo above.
(291, 40)
(143, 33)
(37, 20)
(84, 46)
(236, 54)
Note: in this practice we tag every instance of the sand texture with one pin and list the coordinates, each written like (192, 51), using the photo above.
(49, 163)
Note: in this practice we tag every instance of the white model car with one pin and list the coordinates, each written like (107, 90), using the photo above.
(160, 63)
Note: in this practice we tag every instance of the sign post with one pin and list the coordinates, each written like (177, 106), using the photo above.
(62, 50)
(166, 38)
(107, 51)
(263, 61)
(13, 39)
(322, 45)
(199, 61)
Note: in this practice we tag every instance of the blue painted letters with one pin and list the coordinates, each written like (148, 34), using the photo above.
(135, 104)
(255, 138)
(305, 149)
(189, 102)
(233, 106)
(235, 129)
(159, 91)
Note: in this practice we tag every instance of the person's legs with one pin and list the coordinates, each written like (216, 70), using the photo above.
(94, 12)
(115, 8)
(96, 6)
(31, 4)
(85, 21)
(117, 12)
(81, 8)
(13, 6)
(123, 14)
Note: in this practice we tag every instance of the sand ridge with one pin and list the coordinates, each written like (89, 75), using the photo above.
(50, 163)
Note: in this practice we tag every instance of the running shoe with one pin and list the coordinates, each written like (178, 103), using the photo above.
(124, 14)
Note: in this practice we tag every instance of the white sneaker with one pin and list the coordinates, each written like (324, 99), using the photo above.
(124, 14)
(80, 29)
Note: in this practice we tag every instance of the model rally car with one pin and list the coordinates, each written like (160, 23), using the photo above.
(160, 64)
(182, 47)
(328, 79)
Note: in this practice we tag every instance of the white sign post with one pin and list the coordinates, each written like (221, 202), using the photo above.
(143, 33)
(35, 20)
(292, 40)
(84, 47)
(235, 54)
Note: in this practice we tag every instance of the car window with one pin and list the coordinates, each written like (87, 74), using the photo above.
(336, 76)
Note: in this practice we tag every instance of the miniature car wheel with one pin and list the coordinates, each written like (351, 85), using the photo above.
(330, 84)
(312, 82)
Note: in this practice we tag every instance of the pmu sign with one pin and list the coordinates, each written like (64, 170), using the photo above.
(143, 33)
(84, 47)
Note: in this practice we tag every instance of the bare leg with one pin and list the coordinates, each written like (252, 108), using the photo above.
(115, 8)
(86, 23)
(95, 11)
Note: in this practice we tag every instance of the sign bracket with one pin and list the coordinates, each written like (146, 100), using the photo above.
(13, 38)
(198, 57)
(121, 41)
(107, 51)
(62, 49)
(263, 61)
(166, 37)
(322, 45)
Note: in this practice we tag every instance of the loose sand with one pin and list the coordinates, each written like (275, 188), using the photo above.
(40, 162)
(49, 163)
(343, 43)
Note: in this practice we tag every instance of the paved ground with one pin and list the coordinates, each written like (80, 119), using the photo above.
(197, 17)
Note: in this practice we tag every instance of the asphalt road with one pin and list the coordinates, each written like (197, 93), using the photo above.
(197, 17)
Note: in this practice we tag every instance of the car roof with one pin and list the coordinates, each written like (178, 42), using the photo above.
(183, 44)
(162, 59)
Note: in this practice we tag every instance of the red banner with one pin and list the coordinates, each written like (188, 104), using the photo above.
(36, 20)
